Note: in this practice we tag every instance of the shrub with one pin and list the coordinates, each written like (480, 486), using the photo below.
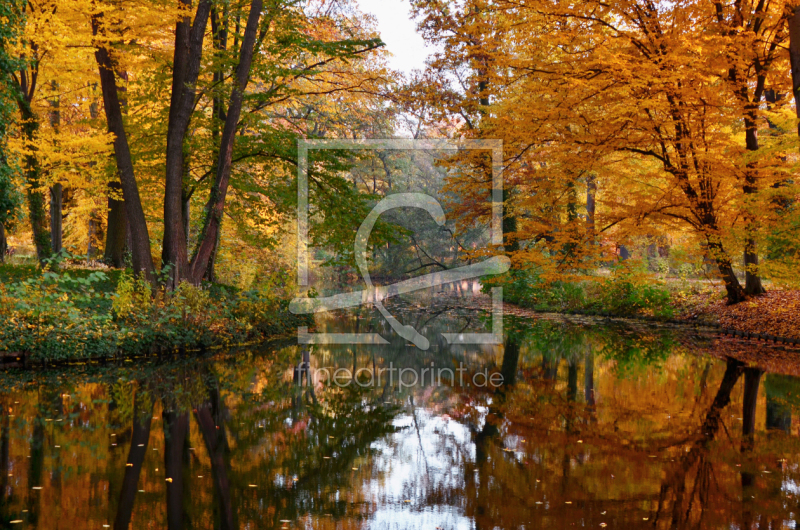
(631, 291)
(57, 316)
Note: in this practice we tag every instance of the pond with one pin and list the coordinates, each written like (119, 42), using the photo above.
(572, 422)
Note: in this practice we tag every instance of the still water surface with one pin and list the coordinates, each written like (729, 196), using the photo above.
(596, 425)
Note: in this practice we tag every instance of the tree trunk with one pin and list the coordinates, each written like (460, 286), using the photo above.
(56, 216)
(95, 221)
(210, 274)
(794, 59)
(33, 177)
(511, 244)
(510, 364)
(219, 33)
(118, 238)
(752, 377)
(186, 213)
(186, 68)
(216, 200)
(133, 468)
(591, 194)
(212, 427)
(753, 284)
(3, 243)
(733, 288)
(117, 229)
(140, 238)
(56, 190)
(176, 427)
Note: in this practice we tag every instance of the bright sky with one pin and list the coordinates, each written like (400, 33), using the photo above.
(399, 33)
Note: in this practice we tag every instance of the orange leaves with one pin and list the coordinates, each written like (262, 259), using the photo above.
(774, 313)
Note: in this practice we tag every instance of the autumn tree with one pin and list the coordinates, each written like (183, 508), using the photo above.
(272, 45)
(754, 35)
(30, 52)
(636, 103)
(9, 198)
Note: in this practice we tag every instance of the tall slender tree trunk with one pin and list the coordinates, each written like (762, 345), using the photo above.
(753, 284)
(209, 418)
(3, 243)
(186, 214)
(794, 59)
(186, 68)
(140, 436)
(56, 190)
(216, 202)
(734, 290)
(176, 427)
(210, 274)
(56, 216)
(117, 230)
(752, 378)
(219, 33)
(33, 177)
(140, 238)
(95, 227)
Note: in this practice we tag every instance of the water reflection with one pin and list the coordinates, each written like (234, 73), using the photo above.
(594, 424)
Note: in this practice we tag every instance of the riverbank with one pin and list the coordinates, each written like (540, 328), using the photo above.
(78, 314)
(631, 293)
(774, 313)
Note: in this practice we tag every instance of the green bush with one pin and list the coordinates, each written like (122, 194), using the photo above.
(59, 316)
(630, 291)
(527, 289)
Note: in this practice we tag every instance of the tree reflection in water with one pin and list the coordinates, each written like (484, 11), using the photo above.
(620, 426)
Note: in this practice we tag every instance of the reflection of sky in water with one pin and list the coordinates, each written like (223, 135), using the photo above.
(415, 462)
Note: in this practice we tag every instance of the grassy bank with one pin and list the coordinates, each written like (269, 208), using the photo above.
(79, 314)
(637, 293)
